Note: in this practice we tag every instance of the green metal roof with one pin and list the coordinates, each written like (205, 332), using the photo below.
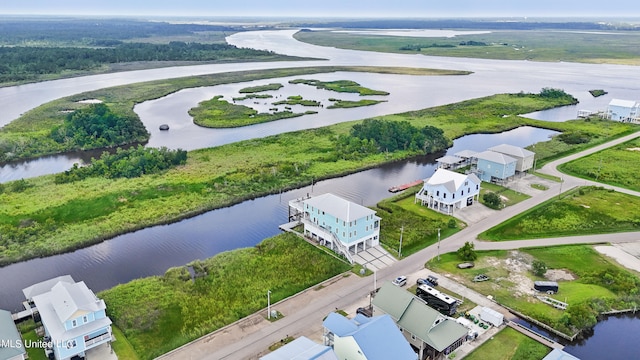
(9, 335)
(418, 318)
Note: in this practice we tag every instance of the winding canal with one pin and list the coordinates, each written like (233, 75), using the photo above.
(151, 251)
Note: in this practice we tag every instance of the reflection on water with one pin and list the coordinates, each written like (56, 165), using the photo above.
(153, 250)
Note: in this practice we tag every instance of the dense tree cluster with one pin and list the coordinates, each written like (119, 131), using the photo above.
(96, 126)
(130, 163)
(24, 63)
(400, 135)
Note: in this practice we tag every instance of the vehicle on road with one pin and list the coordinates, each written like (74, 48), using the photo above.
(400, 281)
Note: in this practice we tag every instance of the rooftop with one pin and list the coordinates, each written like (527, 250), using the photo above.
(339, 207)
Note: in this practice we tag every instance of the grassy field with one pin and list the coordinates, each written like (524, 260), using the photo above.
(260, 88)
(420, 224)
(587, 210)
(509, 197)
(53, 218)
(617, 166)
(160, 313)
(343, 104)
(592, 283)
(534, 45)
(345, 86)
(509, 344)
(218, 113)
(30, 135)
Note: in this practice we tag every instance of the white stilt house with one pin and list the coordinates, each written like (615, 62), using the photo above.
(447, 191)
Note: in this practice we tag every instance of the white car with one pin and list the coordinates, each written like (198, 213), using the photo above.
(400, 281)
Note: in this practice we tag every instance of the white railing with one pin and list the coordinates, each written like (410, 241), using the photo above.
(334, 239)
(99, 339)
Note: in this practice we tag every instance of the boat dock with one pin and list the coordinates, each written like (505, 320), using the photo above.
(535, 336)
(395, 189)
(21, 315)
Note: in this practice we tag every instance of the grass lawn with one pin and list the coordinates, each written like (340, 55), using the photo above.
(122, 347)
(584, 211)
(161, 313)
(27, 329)
(597, 284)
(509, 197)
(420, 224)
(618, 166)
(509, 344)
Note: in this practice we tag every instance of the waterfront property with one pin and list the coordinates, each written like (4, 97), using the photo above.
(343, 226)
(11, 344)
(364, 337)
(623, 110)
(73, 318)
(494, 167)
(524, 158)
(447, 191)
(430, 333)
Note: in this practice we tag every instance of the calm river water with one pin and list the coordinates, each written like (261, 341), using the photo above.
(151, 251)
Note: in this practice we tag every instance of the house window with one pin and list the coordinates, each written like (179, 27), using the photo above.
(85, 319)
(445, 195)
(438, 193)
(477, 187)
(336, 220)
(468, 190)
(453, 196)
(74, 323)
(462, 193)
(355, 233)
(343, 234)
(466, 183)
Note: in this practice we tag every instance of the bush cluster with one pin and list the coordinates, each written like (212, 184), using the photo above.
(130, 163)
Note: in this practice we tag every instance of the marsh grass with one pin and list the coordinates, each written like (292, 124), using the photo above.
(53, 218)
(160, 313)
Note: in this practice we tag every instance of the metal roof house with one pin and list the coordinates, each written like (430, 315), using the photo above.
(524, 158)
(495, 167)
(339, 224)
(447, 191)
(428, 331)
(623, 110)
(375, 338)
(11, 344)
(72, 316)
(302, 348)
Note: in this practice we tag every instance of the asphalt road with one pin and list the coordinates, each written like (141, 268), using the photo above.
(249, 338)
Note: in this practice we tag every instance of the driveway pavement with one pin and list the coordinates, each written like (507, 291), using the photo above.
(250, 337)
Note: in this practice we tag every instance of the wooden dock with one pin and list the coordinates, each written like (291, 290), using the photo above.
(395, 189)
(535, 336)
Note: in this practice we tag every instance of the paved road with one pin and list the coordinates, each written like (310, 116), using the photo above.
(250, 337)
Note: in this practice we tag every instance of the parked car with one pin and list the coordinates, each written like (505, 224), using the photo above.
(366, 311)
(433, 280)
(480, 277)
(400, 281)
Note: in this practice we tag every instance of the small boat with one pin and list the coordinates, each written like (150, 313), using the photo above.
(164, 127)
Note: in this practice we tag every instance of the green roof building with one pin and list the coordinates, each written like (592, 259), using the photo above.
(11, 344)
(431, 333)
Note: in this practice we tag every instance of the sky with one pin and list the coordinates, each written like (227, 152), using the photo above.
(328, 8)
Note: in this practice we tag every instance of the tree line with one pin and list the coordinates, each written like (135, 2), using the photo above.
(21, 63)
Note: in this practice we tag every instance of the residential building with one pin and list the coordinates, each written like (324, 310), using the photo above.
(375, 338)
(447, 191)
(11, 345)
(450, 162)
(623, 110)
(74, 319)
(339, 224)
(524, 158)
(302, 348)
(495, 167)
(432, 334)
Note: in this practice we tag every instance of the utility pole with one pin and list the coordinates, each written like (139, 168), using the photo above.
(561, 181)
(400, 247)
(438, 244)
(269, 304)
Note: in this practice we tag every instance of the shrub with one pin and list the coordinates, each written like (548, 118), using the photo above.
(539, 268)
(492, 200)
(467, 252)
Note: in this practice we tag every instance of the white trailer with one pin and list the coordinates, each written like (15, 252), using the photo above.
(491, 316)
